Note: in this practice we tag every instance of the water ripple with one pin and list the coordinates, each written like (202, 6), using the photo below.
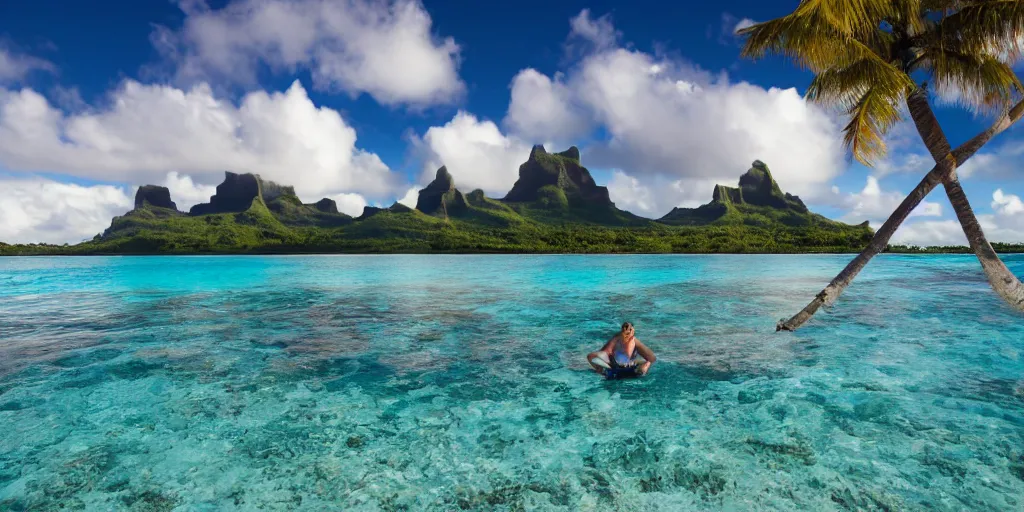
(457, 383)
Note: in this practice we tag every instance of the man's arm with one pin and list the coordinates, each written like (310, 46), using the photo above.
(608, 347)
(647, 354)
(606, 350)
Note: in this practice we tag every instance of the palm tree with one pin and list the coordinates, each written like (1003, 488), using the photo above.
(873, 57)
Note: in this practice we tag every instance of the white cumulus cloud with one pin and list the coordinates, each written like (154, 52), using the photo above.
(876, 205)
(656, 196)
(36, 210)
(933, 232)
(411, 197)
(147, 131)
(669, 127)
(350, 204)
(665, 119)
(1005, 224)
(543, 109)
(476, 152)
(599, 32)
(185, 193)
(384, 48)
(1007, 204)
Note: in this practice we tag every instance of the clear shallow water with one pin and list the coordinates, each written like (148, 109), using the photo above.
(458, 382)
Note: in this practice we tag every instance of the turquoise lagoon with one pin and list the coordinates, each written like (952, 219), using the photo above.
(458, 383)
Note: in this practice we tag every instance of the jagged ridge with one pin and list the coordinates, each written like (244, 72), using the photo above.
(552, 188)
(441, 195)
(547, 176)
(370, 211)
(757, 200)
(555, 205)
(153, 195)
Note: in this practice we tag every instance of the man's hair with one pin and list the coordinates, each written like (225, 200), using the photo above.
(625, 325)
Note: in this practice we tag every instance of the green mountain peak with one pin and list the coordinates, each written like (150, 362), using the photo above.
(370, 211)
(758, 200)
(555, 206)
(573, 153)
(441, 195)
(153, 195)
(561, 171)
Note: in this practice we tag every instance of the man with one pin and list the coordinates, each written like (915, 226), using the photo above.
(621, 353)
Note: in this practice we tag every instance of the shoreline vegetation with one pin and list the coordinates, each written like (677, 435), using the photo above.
(75, 250)
(555, 207)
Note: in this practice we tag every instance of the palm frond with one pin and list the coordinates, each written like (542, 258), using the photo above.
(983, 79)
(864, 51)
(813, 46)
(850, 17)
(942, 5)
(844, 87)
(802, 38)
(907, 16)
(992, 26)
(870, 119)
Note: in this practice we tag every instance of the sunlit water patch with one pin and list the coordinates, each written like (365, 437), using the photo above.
(458, 383)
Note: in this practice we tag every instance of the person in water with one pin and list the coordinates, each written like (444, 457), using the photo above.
(621, 352)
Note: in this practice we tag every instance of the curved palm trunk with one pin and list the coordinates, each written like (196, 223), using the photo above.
(881, 239)
(999, 277)
(1002, 280)
(878, 244)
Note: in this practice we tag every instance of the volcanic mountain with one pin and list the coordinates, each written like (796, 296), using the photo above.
(554, 206)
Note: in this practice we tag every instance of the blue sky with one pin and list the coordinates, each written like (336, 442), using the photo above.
(360, 101)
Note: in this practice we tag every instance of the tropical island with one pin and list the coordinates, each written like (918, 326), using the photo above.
(554, 207)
